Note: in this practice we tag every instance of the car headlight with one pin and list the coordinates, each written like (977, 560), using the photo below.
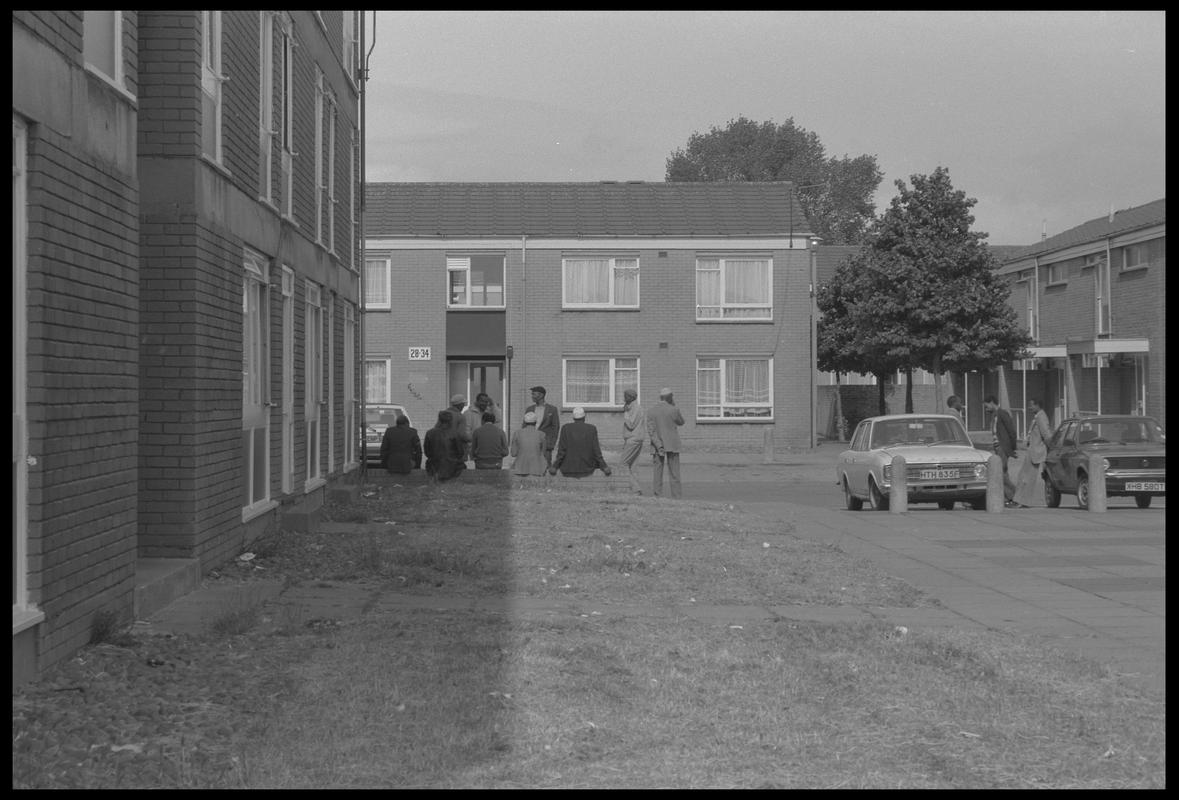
(980, 471)
(1105, 464)
(888, 473)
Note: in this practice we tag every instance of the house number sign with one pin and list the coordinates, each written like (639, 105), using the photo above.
(419, 354)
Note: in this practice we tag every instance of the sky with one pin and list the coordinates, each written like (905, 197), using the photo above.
(1047, 119)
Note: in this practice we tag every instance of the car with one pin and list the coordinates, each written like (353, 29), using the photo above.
(942, 465)
(1133, 451)
(377, 418)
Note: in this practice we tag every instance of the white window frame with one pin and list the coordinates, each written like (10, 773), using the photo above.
(266, 130)
(1141, 253)
(354, 226)
(1057, 273)
(387, 390)
(288, 379)
(330, 201)
(211, 81)
(463, 264)
(632, 265)
(286, 131)
(723, 404)
(320, 184)
(617, 387)
(731, 312)
(313, 383)
(92, 41)
(382, 269)
(351, 46)
(255, 381)
(25, 614)
(1103, 305)
(351, 430)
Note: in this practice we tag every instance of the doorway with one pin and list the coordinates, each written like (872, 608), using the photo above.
(469, 378)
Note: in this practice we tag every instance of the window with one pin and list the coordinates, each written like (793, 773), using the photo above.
(354, 225)
(351, 45)
(255, 380)
(313, 378)
(24, 614)
(1138, 256)
(475, 281)
(320, 130)
(599, 381)
(1102, 285)
(350, 427)
(733, 288)
(601, 282)
(1057, 272)
(211, 79)
(288, 379)
(266, 94)
(286, 117)
(376, 381)
(376, 283)
(325, 163)
(734, 388)
(102, 43)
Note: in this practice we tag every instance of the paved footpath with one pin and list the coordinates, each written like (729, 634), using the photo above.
(1095, 583)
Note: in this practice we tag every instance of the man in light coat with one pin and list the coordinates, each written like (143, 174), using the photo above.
(663, 422)
(634, 432)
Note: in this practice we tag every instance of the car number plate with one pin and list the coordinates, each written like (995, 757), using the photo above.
(1140, 486)
(939, 474)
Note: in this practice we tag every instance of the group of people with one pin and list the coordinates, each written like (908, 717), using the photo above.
(476, 434)
(1027, 485)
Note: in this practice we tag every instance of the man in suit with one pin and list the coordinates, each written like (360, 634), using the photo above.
(548, 420)
(579, 452)
(1003, 435)
(663, 421)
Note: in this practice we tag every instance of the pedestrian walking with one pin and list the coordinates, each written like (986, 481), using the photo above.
(579, 452)
(489, 444)
(401, 448)
(663, 422)
(1003, 443)
(445, 458)
(527, 448)
(1029, 486)
(634, 432)
(548, 420)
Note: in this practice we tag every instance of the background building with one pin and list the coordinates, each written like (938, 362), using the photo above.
(185, 291)
(591, 288)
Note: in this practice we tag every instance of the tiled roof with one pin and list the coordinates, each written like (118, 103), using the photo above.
(1096, 229)
(608, 208)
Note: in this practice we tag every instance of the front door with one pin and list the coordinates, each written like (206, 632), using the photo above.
(469, 378)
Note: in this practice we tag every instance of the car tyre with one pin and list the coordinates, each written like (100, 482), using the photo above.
(945, 505)
(879, 501)
(853, 503)
(979, 505)
(1083, 491)
(1142, 500)
(1051, 493)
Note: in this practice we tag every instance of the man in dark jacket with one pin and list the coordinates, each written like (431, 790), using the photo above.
(401, 449)
(548, 420)
(578, 451)
(489, 444)
(1004, 442)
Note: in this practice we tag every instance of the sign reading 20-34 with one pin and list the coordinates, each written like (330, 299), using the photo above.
(419, 354)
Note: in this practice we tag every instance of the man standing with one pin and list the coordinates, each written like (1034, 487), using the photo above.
(489, 444)
(1003, 441)
(954, 403)
(458, 422)
(548, 420)
(663, 421)
(634, 431)
(579, 452)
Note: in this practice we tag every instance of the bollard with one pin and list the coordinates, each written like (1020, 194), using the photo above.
(1096, 483)
(898, 493)
(767, 456)
(995, 497)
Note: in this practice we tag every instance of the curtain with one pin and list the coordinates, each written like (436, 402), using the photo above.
(747, 381)
(626, 282)
(708, 288)
(587, 381)
(587, 281)
(747, 282)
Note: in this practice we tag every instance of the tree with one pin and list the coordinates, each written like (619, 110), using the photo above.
(922, 293)
(835, 193)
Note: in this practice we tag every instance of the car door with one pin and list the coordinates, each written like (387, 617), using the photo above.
(1056, 462)
(855, 466)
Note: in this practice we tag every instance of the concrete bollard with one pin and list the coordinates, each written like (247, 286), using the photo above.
(767, 456)
(898, 493)
(995, 497)
(1097, 499)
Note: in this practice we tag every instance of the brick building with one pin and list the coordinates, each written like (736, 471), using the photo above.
(591, 288)
(185, 293)
(1094, 300)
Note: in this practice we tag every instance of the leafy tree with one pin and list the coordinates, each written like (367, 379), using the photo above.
(835, 193)
(922, 293)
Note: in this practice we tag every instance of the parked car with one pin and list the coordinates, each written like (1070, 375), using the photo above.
(376, 419)
(942, 464)
(1133, 451)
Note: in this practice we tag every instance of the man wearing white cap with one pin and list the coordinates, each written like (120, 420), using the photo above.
(578, 451)
(663, 421)
(528, 448)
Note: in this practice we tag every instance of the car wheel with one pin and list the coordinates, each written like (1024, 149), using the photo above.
(1083, 491)
(1051, 493)
(1142, 500)
(945, 505)
(878, 500)
(853, 503)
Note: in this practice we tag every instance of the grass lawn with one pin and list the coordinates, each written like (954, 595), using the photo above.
(633, 695)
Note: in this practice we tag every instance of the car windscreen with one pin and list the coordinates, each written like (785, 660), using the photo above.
(1122, 430)
(918, 431)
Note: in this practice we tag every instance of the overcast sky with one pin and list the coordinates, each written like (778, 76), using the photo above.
(1047, 119)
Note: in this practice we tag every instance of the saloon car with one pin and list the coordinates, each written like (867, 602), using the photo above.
(1133, 452)
(941, 463)
(376, 419)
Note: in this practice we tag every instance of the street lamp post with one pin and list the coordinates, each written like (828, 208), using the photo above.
(814, 242)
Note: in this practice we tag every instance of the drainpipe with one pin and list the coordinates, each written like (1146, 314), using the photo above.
(361, 373)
